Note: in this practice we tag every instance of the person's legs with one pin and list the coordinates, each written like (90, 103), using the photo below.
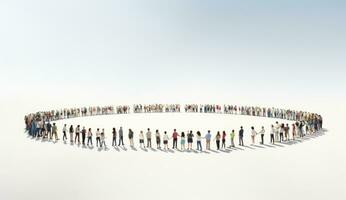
(262, 138)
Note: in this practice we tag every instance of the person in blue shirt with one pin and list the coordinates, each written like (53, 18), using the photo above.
(208, 138)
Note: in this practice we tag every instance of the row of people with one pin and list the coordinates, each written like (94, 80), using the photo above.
(207, 108)
(278, 133)
(156, 108)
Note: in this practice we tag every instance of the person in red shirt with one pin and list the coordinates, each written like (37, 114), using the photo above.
(175, 139)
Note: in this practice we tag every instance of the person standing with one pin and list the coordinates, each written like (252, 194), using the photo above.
(165, 141)
(189, 140)
(114, 136)
(158, 139)
(232, 138)
(55, 132)
(253, 135)
(103, 139)
(149, 138)
(98, 138)
(49, 130)
(218, 138)
(294, 131)
(262, 132)
(182, 141)
(277, 130)
(121, 136)
(90, 134)
(141, 139)
(64, 131)
(131, 138)
(175, 139)
(76, 138)
(272, 132)
(83, 135)
(223, 145)
(282, 130)
(208, 139)
(71, 134)
(287, 130)
(241, 135)
(199, 141)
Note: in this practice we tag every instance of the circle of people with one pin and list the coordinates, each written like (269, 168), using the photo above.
(42, 125)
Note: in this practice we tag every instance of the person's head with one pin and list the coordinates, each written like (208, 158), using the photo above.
(83, 127)
(277, 122)
(103, 130)
(165, 132)
(233, 131)
(241, 127)
(286, 124)
(223, 132)
(71, 126)
(182, 134)
(208, 131)
(190, 132)
(89, 129)
(141, 132)
(65, 125)
(148, 129)
(262, 127)
(157, 131)
(175, 130)
(272, 126)
(98, 129)
(198, 133)
(53, 124)
(78, 126)
(252, 128)
(113, 129)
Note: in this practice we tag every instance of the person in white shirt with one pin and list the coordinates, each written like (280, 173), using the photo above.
(272, 132)
(90, 137)
(277, 130)
(165, 140)
(253, 135)
(64, 131)
(262, 134)
(76, 138)
(141, 139)
(98, 138)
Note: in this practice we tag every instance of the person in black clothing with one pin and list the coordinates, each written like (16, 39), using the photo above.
(189, 140)
(83, 136)
(121, 136)
(114, 133)
(217, 138)
(241, 135)
(49, 130)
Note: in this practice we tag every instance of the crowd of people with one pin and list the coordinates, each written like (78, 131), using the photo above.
(278, 132)
(203, 108)
(156, 108)
(42, 125)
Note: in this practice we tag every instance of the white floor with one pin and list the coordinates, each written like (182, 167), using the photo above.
(311, 169)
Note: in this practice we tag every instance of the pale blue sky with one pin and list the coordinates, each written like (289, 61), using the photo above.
(201, 45)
